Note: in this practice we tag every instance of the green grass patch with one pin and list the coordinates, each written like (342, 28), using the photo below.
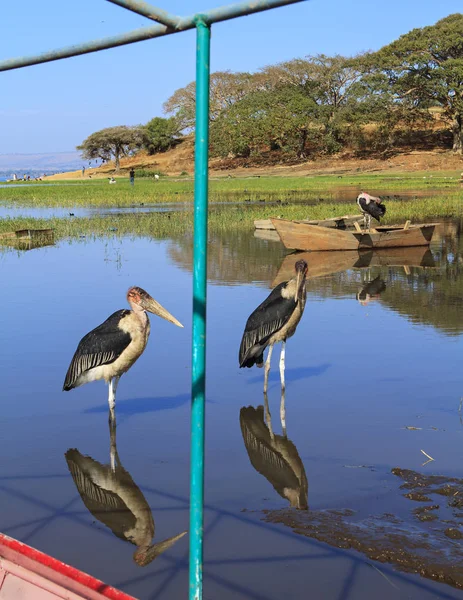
(98, 193)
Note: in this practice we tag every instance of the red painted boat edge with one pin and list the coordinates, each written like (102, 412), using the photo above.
(36, 559)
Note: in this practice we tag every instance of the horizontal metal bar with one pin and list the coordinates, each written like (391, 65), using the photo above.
(240, 9)
(213, 16)
(151, 12)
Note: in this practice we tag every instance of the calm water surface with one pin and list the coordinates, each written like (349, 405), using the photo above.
(378, 350)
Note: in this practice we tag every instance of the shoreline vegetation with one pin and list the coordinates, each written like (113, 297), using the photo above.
(420, 196)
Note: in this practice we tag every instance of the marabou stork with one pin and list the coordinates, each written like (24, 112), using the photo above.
(274, 456)
(109, 350)
(112, 497)
(371, 206)
(275, 320)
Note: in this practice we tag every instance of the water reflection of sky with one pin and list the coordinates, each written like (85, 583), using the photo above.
(356, 376)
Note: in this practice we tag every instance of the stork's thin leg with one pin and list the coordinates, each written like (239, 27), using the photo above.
(112, 444)
(268, 416)
(282, 365)
(267, 368)
(112, 398)
(283, 410)
(364, 221)
(369, 223)
(282, 377)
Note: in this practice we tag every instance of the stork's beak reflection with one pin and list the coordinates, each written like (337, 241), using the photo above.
(155, 308)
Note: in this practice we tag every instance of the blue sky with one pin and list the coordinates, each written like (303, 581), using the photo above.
(53, 107)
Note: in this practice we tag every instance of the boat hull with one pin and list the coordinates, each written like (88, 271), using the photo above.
(30, 574)
(312, 238)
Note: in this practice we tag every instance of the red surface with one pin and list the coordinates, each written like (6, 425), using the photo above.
(35, 561)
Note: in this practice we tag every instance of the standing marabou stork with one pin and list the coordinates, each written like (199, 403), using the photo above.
(275, 320)
(109, 350)
(371, 206)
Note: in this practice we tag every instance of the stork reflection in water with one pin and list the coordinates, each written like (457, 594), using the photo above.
(371, 290)
(275, 320)
(274, 456)
(112, 497)
(109, 350)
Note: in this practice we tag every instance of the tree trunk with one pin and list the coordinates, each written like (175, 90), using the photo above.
(116, 160)
(458, 134)
(302, 143)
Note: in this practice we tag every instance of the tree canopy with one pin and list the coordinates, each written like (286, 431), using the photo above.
(160, 134)
(112, 142)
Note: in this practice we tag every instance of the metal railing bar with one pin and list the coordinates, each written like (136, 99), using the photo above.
(150, 12)
(146, 33)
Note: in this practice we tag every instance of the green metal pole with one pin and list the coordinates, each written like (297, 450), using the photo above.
(198, 381)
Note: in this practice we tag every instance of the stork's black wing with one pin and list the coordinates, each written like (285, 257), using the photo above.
(372, 208)
(101, 346)
(267, 319)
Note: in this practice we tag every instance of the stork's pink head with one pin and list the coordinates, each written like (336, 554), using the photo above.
(141, 300)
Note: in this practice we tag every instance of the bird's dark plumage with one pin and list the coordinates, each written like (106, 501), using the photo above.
(101, 346)
(372, 288)
(372, 208)
(267, 319)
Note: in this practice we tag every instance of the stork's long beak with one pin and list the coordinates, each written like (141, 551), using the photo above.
(298, 285)
(154, 307)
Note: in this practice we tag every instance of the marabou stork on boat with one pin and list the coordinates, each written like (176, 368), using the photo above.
(109, 350)
(275, 320)
(371, 206)
(112, 497)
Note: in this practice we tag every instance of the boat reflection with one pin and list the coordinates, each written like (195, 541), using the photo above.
(112, 497)
(274, 456)
(371, 290)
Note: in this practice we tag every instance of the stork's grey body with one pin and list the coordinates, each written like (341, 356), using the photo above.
(109, 350)
(112, 497)
(275, 320)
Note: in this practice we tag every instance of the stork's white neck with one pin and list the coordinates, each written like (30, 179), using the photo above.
(139, 312)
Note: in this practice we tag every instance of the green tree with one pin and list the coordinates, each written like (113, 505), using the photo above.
(278, 119)
(112, 143)
(160, 134)
(425, 68)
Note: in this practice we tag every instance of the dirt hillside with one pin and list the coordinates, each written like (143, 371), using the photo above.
(180, 160)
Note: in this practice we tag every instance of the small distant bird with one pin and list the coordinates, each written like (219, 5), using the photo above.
(371, 206)
(156, 176)
(275, 320)
(109, 350)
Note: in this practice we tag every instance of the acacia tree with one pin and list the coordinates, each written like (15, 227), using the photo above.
(425, 68)
(277, 119)
(226, 88)
(330, 82)
(112, 142)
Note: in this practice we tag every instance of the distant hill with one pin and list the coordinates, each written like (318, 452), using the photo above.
(50, 162)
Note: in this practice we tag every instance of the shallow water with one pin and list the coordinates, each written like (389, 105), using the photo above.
(357, 375)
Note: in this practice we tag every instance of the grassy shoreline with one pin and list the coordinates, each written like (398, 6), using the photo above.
(241, 217)
(329, 188)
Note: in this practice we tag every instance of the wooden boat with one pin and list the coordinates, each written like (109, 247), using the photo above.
(326, 263)
(27, 234)
(297, 235)
(27, 574)
(335, 222)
